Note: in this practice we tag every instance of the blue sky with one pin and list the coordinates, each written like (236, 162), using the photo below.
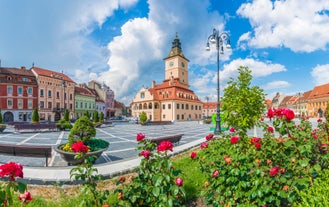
(123, 42)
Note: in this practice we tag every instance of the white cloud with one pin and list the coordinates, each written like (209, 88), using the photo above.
(258, 68)
(320, 74)
(301, 25)
(276, 85)
(136, 56)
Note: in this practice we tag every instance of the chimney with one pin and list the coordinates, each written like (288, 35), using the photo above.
(23, 68)
(153, 84)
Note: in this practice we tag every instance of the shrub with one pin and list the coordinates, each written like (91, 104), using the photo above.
(101, 118)
(157, 183)
(35, 116)
(262, 171)
(63, 124)
(96, 117)
(82, 130)
(66, 115)
(95, 144)
(143, 118)
(316, 195)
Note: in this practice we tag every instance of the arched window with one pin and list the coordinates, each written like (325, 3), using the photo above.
(150, 105)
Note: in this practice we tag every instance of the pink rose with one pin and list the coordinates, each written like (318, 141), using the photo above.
(25, 197)
(209, 137)
(193, 155)
(270, 129)
(274, 171)
(12, 170)
(258, 145)
(179, 181)
(164, 145)
(145, 153)
(270, 113)
(140, 137)
(204, 145)
(215, 174)
(234, 139)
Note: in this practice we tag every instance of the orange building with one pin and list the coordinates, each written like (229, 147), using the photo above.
(56, 93)
(171, 100)
(318, 100)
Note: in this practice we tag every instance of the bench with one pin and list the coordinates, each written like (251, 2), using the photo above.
(160, 122)
(172, 138)
(26, 151)
(35, 127)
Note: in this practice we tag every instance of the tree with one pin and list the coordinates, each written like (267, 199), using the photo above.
(96, 117)
(35, 116)
(242, 104)
(143, 118)
(66, 115)
(102, 117)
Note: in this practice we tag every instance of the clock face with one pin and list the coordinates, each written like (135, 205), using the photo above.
(171, 64)
(183, 65)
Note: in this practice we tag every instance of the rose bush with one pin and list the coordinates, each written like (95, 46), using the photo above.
(157, 183)
(264, 171)
(12, 170)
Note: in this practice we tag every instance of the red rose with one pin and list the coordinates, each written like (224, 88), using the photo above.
(274, 171)
(140, 137)
(232, 129)
(254, 140)
(319, 120)
(258, 145)
(270, 129)
(209, 137)
(25, 197)
(204, 145)
(261, 118)
(79, 147)
(164, 146)
(12, 170)
(215, 174)
(289, 114)
(282, 170)
(193, 155)
(270, 113)
(145, 153)
(179, 181)
(234, 139)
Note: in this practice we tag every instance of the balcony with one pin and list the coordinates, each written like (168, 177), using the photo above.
(58, 109)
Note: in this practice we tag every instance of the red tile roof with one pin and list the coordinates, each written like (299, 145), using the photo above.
(50, 73)
(83, 91)
(17, 71)
(320, 92)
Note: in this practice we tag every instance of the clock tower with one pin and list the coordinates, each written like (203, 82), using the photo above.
(176, 64)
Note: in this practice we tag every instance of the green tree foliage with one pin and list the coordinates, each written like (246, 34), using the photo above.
(0, 117)
(242, 103)
(101, 117)
(66, 115)
(35, 116)
(143, 117)
(326, 116)
(96, 117)
(82, 130)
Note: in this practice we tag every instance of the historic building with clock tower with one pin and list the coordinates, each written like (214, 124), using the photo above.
(172, 100)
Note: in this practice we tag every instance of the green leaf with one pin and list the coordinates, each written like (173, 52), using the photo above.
(156, 191)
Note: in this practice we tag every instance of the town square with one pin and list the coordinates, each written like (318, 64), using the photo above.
(164, 103)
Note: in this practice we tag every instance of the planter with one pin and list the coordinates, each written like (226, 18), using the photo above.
(69, 156)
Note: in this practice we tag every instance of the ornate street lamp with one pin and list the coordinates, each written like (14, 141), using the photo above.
(220, 40)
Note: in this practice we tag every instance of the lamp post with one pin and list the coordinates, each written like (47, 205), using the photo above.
(220, 39)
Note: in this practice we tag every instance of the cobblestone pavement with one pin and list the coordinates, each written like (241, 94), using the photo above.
(122, 138)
